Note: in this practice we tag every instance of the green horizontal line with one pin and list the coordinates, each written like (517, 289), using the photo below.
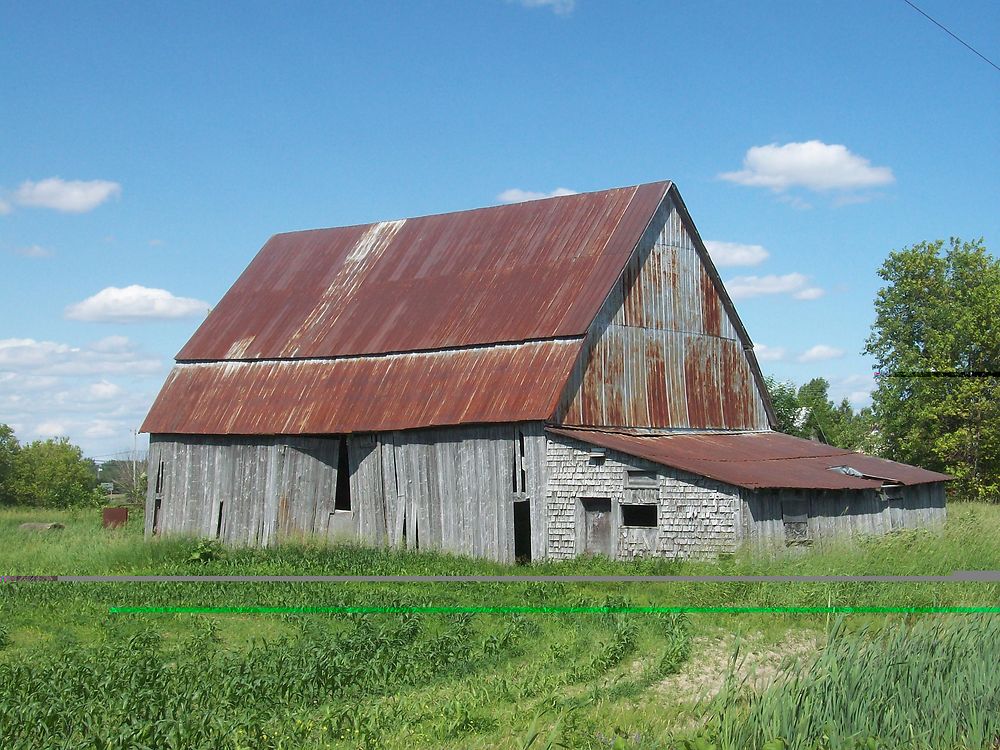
(551, 610)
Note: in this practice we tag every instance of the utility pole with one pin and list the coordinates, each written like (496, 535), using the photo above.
(135, 453)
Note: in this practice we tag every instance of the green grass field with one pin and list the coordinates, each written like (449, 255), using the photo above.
(75, 675)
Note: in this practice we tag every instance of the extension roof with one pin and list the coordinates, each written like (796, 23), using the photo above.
(758, 459)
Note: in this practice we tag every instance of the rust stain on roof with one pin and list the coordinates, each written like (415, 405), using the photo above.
(528, 271)
(758, 459)
(510, 383)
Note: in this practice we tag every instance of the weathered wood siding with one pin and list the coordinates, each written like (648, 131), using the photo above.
(663, 351)
(450, 489)
(838, 514)
(456, 487)
(244, 491)
(696, 516)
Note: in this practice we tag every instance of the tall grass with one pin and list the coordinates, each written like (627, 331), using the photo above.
(926, 685)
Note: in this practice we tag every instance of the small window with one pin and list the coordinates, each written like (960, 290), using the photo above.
(638, 479)
(795, 518)
(342, 497)
(639, 515)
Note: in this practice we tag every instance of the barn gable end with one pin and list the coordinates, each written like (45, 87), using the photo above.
(667, 349)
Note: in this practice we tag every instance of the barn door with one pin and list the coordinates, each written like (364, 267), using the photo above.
(596, 526)
(894, 504)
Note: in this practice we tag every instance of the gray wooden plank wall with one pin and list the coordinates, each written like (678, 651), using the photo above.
(453, 488)
(833, 514)
(265, 488)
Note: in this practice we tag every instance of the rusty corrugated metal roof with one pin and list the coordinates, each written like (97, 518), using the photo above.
(510, 383)
(757, 459)
(528, 271)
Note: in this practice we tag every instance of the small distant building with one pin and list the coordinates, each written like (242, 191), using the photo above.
(537, 380)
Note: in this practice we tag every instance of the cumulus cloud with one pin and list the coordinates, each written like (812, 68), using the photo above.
(517, 195)
(34, 251)
(744, 287)
(94, 394)
(134, 303)
(766, 353)
(813, 292)
(735, 253)
(104, 391)
(70, 196)
(813, 165)
(54, 358)
(559, 7)
(820, 352)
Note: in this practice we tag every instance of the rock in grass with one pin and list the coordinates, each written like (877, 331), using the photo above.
(40, 526)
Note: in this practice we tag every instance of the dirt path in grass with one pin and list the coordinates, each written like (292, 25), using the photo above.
(757, 664)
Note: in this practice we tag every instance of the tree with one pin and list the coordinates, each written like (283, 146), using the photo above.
(809, 413)
(53, 473)
(9, 448)
(785, 403)
(936, 344)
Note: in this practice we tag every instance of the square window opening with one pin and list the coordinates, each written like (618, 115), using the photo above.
(643, 516)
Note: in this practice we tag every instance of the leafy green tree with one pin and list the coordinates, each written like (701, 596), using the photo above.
(785, 402)
(53, 473)
(9, 448)
(935, 338)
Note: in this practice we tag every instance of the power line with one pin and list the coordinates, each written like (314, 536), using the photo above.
(953, 35)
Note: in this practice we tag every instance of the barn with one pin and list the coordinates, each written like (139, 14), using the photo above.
(527, 381)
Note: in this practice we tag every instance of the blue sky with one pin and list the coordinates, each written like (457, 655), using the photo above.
(148, 150)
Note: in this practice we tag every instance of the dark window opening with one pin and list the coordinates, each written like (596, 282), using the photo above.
(513, 468)
(218, 524)
(639, 515)
(159, 478)
(522, 531)
(342, 500)
(524, 474)
(156, 516)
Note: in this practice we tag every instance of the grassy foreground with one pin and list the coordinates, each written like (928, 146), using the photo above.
(73, 675)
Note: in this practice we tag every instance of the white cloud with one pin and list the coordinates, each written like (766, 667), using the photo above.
(735, 253)
(51, 428)
(34, 251)
(53, 358)
(516, 195)
(766, 353)
(134, 303)
(820, 352)
(813, 292)
(813, 165)
(49, 389)
(559, 7)
(104, 391)
(744, 287)
(4, 207)
(860, 398)
(70, 196)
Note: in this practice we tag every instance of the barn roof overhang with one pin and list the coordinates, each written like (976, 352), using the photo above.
(478, 385)
(757, 460)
